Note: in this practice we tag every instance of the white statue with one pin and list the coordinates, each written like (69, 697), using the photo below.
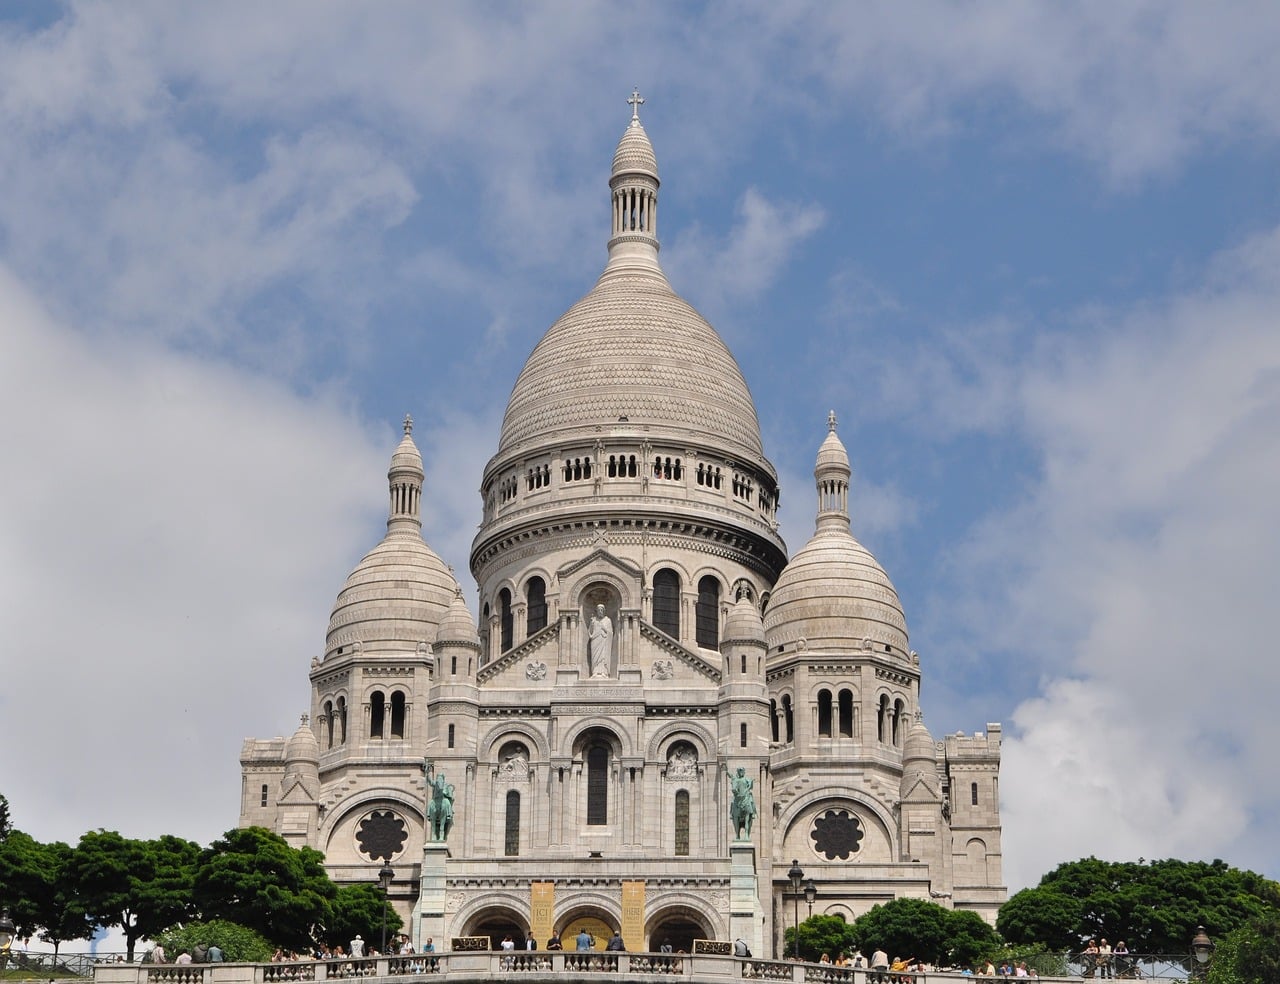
(600, 643)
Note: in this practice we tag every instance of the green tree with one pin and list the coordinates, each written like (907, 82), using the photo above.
(38, 891)
(238, 943)
(255, 878)
(1155, 907)
(359, 909)
(4, 818)
(906, 928)
(970, 938)
(819, 935)
(1250, 954)
(141, 886)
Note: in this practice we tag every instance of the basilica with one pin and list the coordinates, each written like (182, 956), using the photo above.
(661, 714)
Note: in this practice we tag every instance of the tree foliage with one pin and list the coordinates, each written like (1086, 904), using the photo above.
(1155, 907)
(819, 935)
(925, 930)
(360, 909)
(255, 878)
(141, 886)
(238, 943)
(38, 890)
(1249, 955)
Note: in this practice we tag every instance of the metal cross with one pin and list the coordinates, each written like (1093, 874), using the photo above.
(831, 421)
(408, 424)
(635, 102)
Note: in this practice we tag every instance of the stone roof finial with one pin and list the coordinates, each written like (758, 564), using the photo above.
(635, 102)
(831, 421)
(408, 424)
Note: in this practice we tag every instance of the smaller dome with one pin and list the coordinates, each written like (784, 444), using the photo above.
(457, 624)
(831, 453)
(406, 456)
(635, 153)
(302, 745)
(743, 623)
(919, 744)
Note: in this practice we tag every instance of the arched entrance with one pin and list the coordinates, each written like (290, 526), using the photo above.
(678, 928)
(497, 924)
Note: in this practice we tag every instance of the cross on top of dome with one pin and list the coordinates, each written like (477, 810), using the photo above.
(635, 101)
(408, 424)
(831, 421)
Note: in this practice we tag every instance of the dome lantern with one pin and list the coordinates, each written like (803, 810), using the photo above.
(634, 184)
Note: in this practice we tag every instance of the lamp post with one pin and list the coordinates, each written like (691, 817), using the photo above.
(7, 930)
(1201, 953)
(385, 878)
(810, 894)
(796, 874)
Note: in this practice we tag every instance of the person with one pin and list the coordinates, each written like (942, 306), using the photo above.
(600, 643)
(183, 958)
(585, 941)
(825, 958)
(508, 948)
(158, 954)
(215, 954)
(879, 964)
(740, 948)
(841, 960)
(615, 943)
(553, 943)
(742, 809)
(430, 947)
(530, 943)
(357, 946)
(1089, 960)
(665, 948)
(1104, 959)
(1120, 957)
(200, 953)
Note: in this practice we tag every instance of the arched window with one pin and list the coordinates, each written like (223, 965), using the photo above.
(973, 793)
(846, 713)
(666, 602)
(773, 720)
(341, 711)
(536, 594)
(328, 723)
(377, 712)
(899, 725)
(742, 735)
(824, 713)
(512, 846)
(506, 619)
(882, 718)
(397, 714)
(484, 638)
(788, 714)
(682, 824)
(451, 733)
(263, 801)
(597, 785)
(708, 613)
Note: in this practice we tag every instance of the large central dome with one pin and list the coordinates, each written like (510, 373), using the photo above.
(632, 349)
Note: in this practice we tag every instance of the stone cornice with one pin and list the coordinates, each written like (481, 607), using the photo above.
(666, 643)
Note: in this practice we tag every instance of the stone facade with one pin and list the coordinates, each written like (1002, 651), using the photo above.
(643, 637)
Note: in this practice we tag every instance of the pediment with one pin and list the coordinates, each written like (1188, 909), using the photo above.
(600, 557)
(661, 646)
(540, 647)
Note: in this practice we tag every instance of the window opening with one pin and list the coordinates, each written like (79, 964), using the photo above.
(824, 714)
(512, 846)
(377, 709)
(264, 796)
(451, 736)
(742, 736)
(397, 714)
(846, 714)
(681, 824)
(536, 593)
(708, 613)
(506, 619)
(666, 602)
(597, 785)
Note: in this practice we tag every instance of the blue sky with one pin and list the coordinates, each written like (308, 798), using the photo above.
(1030, 254)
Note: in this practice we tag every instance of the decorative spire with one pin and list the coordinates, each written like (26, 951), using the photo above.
(832, 474)
(635, 102)
(634, 183)
(405, 480)
(408, 424)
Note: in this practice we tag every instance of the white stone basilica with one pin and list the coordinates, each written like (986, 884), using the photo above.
(590, 755)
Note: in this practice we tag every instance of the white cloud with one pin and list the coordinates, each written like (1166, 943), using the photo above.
(174, 534)
(746, 261)
(1138, 577)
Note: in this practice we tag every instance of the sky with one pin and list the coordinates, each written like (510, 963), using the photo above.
(1029, 254)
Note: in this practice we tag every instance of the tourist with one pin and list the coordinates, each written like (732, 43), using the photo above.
(183, 958)
(553, 942)
(1089, 959)
(215, 954)
(585, 941)
(1104, 959)
(879, 964)
(530, 943)
(508, 948)
(841, 960)
(357, 946)
(615, 943)
(1120, 959)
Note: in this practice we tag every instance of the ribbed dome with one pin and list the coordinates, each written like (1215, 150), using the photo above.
(635, 152)
(833, 594)
(395, 597)
(406, 456)
(919, 744)
(457, 624)
(743, 623)
(632, 348)
(302, 745)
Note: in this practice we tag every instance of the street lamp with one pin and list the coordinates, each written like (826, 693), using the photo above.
(796, 874)
(385, 878)
(7, 930)
(1201, 952)
(810, 894)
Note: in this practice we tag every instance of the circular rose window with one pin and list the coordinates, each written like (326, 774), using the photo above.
(381, 835)
(836, 835)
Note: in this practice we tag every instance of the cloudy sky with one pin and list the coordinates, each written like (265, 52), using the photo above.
(1030, 254)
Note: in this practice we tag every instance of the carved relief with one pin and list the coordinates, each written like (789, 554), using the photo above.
(663, 669)
(536, 670)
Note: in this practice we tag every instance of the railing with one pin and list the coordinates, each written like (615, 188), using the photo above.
(1131, 966)
(556, 965)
